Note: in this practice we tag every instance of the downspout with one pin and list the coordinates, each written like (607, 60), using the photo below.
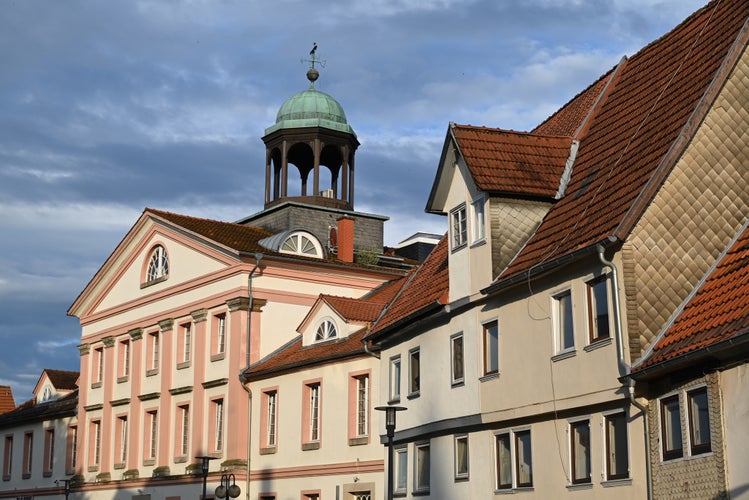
(368, 350)
(624, 368)
(243, 379)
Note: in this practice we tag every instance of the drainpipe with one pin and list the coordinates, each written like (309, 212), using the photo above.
(368, 350)
(624, 368)
(242, 379)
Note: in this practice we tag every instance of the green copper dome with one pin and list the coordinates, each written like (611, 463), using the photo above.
(311, 108)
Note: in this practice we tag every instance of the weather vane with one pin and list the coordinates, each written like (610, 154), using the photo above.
(312, 73)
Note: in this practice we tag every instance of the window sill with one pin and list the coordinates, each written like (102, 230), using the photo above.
(458, 247)
(512, 491)
(26, 475)
(457, 383)
(611, 483)
(358, 441)
(462, 478)
(122, 380)
(420, 493)
(180, 459)
(218, 357)
(152, 372)
(149, 462)
(597, 344)
(93, 468)
(580, 486)
(96, 385)
(413, 395)
(270, 450)
(6, 478)
(47, 473)
(183, 365)
(118, 466)
(569, 353)
(311, 446)
(394, 401)
(489, 376)
(153, 282)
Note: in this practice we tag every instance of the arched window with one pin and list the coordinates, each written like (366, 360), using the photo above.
(158, 264)
(301, 243)
(326, 330)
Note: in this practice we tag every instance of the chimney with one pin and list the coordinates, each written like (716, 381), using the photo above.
(346, 239)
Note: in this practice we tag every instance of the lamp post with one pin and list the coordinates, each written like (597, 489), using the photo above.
(65, 484)
(226, 490)
(390, 429)
(204, 469)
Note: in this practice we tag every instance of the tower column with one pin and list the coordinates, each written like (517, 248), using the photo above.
(267, 174)
(316, 148)
(284, 170)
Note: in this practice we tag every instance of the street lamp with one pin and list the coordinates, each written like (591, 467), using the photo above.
(225, 490)
(390, 429)
(65, 484)
(204, 469)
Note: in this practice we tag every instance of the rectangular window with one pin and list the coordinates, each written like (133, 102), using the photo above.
(421, 467)
(414, 369)
(123, 370)
(395, 379)
(49, 451)
(95, 446)
(362, 406)
(152, 434)
(71, 456)
(580, 450)
(564, 331)
(314, 412)
(184, 343)
(491, 348)
(598, 309)
(218, 419)
(671, 428)
(478, 221)
(458, 227)
(28, 448)
(514, 463)
(121, 440)
(617, 453)
(182, 426)
(401, 470)
(699, 421)
(153, 352)
(220, 333)
(461, 457)
(456, 359)
(271, 418)
(8, 458)
(98, 367)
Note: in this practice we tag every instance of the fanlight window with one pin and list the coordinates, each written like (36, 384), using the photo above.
(326, 330)
(158, 264)
(302, 244)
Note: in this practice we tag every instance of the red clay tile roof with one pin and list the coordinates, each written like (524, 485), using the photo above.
(635, 125)
(294, 355)
(7, 403)
(368, 308)
(236, 236)
(428, 285)
(568, 119)
(718, 311)
(61, 379)
(514, 163)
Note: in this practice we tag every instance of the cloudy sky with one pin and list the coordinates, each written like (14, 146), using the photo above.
(110, 107)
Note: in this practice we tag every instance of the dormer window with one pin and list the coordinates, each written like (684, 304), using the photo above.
(326, 331)
(301, 243)
(47, 395)
(158, 264)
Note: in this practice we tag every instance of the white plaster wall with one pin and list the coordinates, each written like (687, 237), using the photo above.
(736, 421)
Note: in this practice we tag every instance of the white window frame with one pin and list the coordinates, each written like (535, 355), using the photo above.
(488, 368)
(458, 227)
(572, 426)
(326, 330)
(314, 412)
(394, 379)
(559, 324)
(271, 431)
(454, 379)
(400, 457)
(158, 264)
(461, 474)
(221, 333)
(219, 425)
(478, 219)
(607, 462)
(362, 405)
(422, 477)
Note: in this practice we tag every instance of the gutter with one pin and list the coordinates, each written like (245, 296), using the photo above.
(624, 368)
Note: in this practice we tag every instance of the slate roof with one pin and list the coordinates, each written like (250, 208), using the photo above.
(513, 163)
(30, 411)
(235, 236)
(427, 286)
(716, 313)
(625, 154)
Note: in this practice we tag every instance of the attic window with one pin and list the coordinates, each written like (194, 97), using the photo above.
(158, 264)
(326, 331)
(301, 243)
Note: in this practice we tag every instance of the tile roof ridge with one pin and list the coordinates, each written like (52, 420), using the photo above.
(166, 214)
(525, 133)
(610, 85)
